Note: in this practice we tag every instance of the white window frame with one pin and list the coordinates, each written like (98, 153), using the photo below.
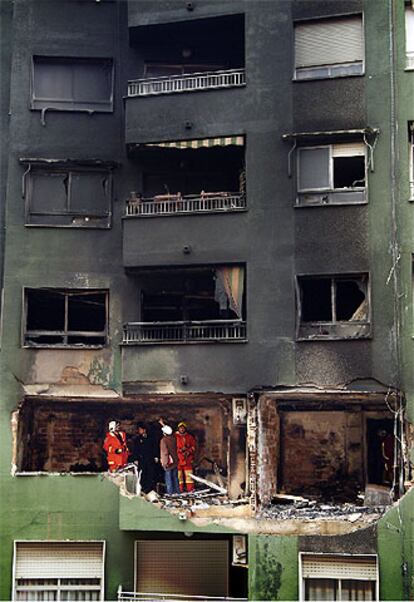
(411, 162)
(409, 28)
(333, 70)
(340, 557)
(330, 188)
(16, 542)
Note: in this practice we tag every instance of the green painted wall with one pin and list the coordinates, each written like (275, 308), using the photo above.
(273, 568)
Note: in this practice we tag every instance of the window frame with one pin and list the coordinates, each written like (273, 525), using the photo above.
(340, 556)
(16, 542)
(71, 105)
(80, 219)
(65, 333)
(409, 54)
(329, 190)
(411, 160)
(329, 66)
(334, 324)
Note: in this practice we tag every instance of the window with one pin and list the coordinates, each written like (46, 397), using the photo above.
(60, 571)
(331, 174)
(345, 577)
(409, 37)
(72, 318)
(66, 196)
(72, 84)
(328, 48)
(333, 307)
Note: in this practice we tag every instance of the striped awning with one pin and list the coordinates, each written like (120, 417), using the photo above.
(200, 143)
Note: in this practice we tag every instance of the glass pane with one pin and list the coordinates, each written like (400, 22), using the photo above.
(37, 596)
(48, 192)
(349, 172)
(316, 300)
(90, 193)
(52, 79)
(358, 590)
(313, 168)
(92, 81)
(321, 589)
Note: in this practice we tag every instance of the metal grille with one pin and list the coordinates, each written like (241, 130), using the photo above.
(58, 559)
(138, 333)
(183, 567)
(186, 83)
(338, 567)
(207, 203)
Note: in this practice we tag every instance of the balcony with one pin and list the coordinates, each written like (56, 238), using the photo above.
(124, 596)
(190, 82)
(175, 204)
(215, 331)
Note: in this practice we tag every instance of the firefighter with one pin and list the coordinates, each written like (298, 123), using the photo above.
(186, 447)
(115, 447)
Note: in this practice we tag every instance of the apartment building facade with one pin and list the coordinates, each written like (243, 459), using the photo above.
(206, 216)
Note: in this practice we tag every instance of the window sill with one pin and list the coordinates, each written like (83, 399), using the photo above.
(328, 204)
(81, 226)
(326, 77)
(70, 347)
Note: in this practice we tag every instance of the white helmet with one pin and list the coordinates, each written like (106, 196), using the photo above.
(167, 430)
(112, 425)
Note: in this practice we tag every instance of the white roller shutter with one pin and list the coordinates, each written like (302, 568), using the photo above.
(337, 567)
(409, 36)
(65, 560)
(192, 568)
(329, 42)
(348, 149)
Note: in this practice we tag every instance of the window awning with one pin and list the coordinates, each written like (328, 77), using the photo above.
(199, 143)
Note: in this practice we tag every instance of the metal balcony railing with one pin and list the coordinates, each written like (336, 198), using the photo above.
(177, 204)
(149, 597)
(190, 82)
(223, 331)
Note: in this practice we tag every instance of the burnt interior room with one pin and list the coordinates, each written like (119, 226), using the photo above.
(61, 317)
(349, 172)
(194, 46)
(67, 436)
(332, 299)
(328, 451)
(191, 171)
(190, 295)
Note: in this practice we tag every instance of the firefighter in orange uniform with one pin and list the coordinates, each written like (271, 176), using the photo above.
(115, 447)
(186, 447)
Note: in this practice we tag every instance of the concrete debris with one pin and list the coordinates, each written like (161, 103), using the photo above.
(315, 510)
(209, 484)
(377, 495)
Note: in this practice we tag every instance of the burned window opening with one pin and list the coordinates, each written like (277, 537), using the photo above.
(184, 47)
(348, 172)
(335, 306)
(65, 318)
(191, 172)
(193, 295)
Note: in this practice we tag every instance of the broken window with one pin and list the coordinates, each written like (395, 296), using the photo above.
(58, 570)
(62, 196)
(332, 174)
(72, 84)
(65, 318)
(332, 47)
(329, 577)
(333, 307)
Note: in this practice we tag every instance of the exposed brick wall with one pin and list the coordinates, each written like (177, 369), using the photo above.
(64, 435)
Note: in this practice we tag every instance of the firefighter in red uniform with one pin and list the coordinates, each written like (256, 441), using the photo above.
(186, 447)
(115, 447)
